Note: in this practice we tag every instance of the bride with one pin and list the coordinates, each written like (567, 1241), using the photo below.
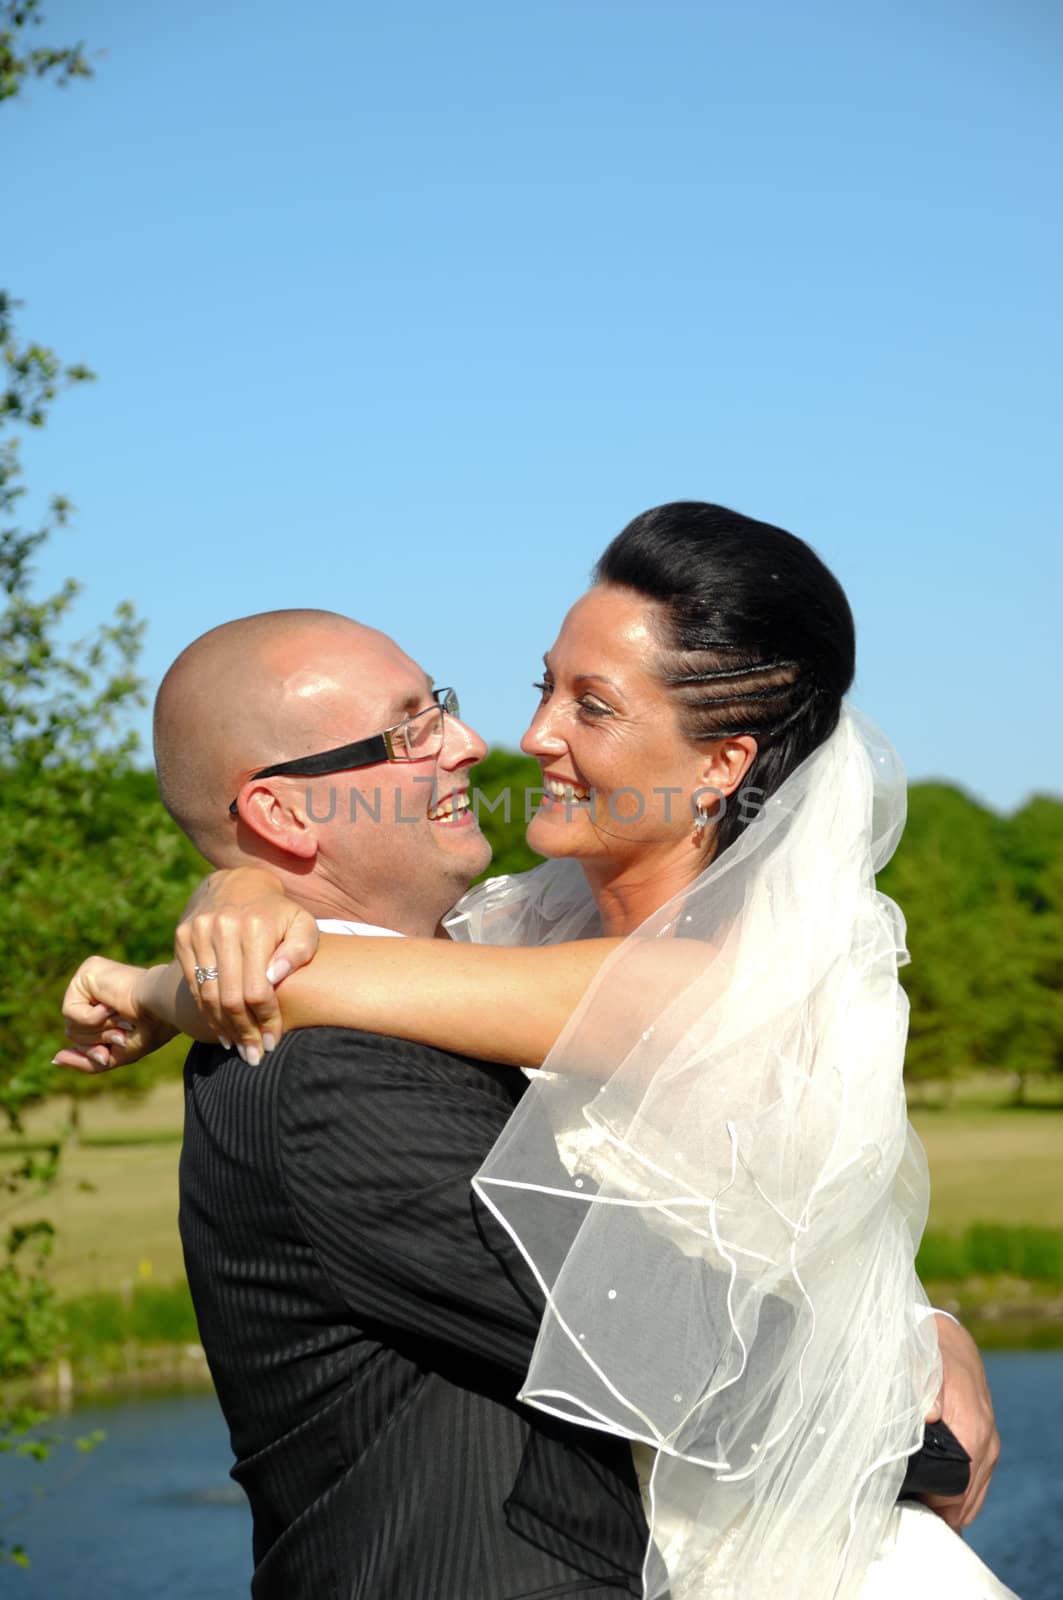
(728, 1261)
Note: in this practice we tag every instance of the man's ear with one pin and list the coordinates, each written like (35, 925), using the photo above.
(726, 765)
(284, 827)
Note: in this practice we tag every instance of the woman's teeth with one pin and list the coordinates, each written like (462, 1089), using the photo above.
(453, 805)
(566, 791)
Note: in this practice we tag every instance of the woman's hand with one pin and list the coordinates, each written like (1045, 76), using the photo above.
(107, 1016)
(242, 925)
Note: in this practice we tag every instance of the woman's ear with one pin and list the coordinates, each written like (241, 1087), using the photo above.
(726, 765)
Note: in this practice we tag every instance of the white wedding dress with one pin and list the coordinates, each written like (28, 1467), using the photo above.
(921, 1558)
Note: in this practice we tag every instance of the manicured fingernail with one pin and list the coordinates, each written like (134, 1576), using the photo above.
(225, 1043)
(120, 1022)
(268, 1042)
(241, 1052)
(277, 970)
(253, 1055)
(56, 1061)
(101, 1057)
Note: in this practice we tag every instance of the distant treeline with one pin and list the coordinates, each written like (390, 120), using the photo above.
(97, 866)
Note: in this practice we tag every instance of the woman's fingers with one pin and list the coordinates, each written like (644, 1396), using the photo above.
(236, 998)
(185, 943)
(246, 950)
(99, 1059)
(217, 975)
(98, 991)
(84, 1025)
(249, 1006)
(297, 948)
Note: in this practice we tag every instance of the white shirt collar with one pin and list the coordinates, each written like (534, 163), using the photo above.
(337, 925)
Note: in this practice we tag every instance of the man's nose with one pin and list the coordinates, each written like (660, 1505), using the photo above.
(462, 745)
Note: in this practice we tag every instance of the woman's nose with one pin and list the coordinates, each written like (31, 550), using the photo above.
(540, 740)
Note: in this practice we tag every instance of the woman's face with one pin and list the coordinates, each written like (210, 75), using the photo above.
(622, 781)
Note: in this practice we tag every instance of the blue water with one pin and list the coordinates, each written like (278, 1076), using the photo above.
(153, 1515)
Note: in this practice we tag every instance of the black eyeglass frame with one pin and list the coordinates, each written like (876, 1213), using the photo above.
(362, 753)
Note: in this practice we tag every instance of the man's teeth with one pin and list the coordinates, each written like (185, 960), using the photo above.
(566, 791)
(452, 806)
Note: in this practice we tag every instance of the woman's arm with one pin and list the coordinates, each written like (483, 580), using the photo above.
(495, 1003)
(505, 1005)
(498, 1004)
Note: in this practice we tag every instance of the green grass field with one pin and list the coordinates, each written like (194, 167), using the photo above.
(115, 1206)
(993, 1166)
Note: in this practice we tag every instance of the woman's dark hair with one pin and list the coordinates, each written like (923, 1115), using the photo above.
(758, 639)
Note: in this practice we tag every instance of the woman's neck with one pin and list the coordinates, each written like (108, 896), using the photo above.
(629, 893)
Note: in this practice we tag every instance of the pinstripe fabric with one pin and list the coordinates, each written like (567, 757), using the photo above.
(367, 1324)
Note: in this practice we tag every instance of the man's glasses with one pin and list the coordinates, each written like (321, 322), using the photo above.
(416, 738)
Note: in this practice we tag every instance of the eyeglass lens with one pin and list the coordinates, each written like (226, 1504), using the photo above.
(422, 735)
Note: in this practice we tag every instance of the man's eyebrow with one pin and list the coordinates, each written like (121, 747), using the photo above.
(413, 702)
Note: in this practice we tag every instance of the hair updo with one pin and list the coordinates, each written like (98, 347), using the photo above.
(759, 637)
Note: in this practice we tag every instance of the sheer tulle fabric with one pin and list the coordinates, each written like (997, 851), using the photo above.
(727, 1244)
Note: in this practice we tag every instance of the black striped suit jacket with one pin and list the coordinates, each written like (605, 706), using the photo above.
(367, 1325)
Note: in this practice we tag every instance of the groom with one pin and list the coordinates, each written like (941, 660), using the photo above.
(366, 1322)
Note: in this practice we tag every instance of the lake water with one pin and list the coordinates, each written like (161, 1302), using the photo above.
(152, 1514)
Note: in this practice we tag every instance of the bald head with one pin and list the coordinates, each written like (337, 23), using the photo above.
(262, 690)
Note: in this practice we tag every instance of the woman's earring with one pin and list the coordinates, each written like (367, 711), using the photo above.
(701, 822)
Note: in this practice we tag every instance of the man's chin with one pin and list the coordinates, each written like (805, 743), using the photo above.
(464, 843)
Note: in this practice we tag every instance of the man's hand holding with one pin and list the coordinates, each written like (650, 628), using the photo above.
(965, 1406)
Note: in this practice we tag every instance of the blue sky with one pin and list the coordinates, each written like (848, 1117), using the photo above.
(406, 311)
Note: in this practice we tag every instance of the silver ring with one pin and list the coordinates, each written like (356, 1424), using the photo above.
(205, 975)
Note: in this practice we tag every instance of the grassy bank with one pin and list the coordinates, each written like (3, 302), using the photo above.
(1005, 1282)
(121, 1340)
(993, 1251)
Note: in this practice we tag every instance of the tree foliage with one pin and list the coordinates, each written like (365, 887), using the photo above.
(66, 787)
(983, 896)
(20, 61)
(500, 783)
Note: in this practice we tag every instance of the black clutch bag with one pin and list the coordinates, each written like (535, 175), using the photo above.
(940, 1466)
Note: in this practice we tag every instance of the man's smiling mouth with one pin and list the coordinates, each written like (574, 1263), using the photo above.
(451, 808)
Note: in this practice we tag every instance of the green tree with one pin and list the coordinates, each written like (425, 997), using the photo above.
(983, 897)
(1026, 1028)
(500, 783)
(61, 748)
(943, 877)
(19, 62)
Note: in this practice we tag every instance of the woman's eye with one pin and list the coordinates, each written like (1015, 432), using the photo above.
(590, 707)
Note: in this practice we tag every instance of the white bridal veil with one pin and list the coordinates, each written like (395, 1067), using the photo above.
(725, 1219)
